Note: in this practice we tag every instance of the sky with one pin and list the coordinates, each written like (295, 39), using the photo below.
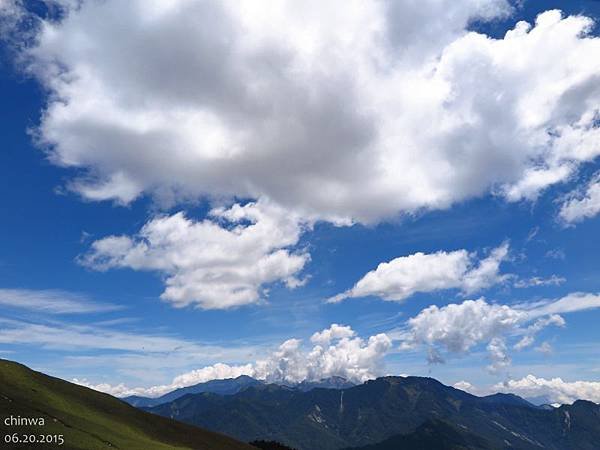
(200, 190)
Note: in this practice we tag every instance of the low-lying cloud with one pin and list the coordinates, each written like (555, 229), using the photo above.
(335, 351)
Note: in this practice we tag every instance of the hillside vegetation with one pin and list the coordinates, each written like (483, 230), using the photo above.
(90, 420)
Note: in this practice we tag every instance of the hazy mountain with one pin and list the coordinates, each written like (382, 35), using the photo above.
(324, 419)
(231, 386)
(90, 420)
(328, 383)
(226, 386)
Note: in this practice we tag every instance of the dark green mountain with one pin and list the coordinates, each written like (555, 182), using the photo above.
(88, 420)
(433, 434)
(507, 399)
(327, 419)
(270, 445)
(227, 386)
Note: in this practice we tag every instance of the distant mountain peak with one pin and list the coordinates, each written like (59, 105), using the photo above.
(334, 382)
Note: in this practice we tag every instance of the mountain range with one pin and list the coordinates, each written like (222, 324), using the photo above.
(226, 386)
(230, 386)
(389, 412)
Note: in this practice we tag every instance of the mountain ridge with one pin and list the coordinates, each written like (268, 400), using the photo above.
(368, 414)
(230, 386)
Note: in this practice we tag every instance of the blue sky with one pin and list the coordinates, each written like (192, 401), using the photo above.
(79, 311)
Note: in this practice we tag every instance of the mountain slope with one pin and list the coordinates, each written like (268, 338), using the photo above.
(327, 419)
(90, 420)
(227, 386)
(433, 434)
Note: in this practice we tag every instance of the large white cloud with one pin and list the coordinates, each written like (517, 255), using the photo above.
(347, 111)
(217, 263)
(456, 329)
(554, 390)
(580, 206)
(402, 277)
(337, 351)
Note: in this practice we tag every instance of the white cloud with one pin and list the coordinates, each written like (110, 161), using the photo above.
(577, 301)
(218, 263)
(217, 371)
(555, 390)
(337, 352)
(334, 332)
(498, 354)
(64, 336)
(466, 386)
(457, 329)
(52, 301)
(463, 385)
(404, 276)
(552, 280)
(132, 354)
(544, 348)
(317, 108)
(581, 206)
(556, 253)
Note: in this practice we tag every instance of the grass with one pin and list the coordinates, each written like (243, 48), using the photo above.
(90, 420)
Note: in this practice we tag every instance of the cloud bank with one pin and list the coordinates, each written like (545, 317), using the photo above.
(259, 102)
(554, 390)
(336, 351)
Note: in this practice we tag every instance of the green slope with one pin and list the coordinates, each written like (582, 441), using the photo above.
(90, 420)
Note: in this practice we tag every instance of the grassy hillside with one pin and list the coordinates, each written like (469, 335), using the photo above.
(90, 420)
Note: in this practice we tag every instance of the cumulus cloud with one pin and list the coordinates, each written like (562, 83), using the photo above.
(554, 390)
(337, 351)
(317, 108)
(404, 276)
(52, 301)
(580, 206)
(457, 329)
(220, 262)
